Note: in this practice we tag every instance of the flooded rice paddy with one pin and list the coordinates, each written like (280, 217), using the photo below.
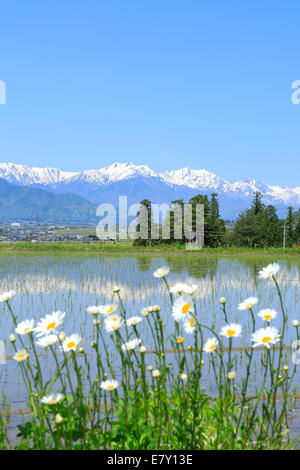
(72, 283)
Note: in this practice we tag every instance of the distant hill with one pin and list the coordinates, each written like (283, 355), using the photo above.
(23, 203)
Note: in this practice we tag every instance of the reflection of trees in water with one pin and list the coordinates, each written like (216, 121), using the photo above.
(144, 263)
(255, 264)
(195, 266)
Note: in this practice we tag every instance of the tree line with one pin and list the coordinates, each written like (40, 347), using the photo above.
(256, 227)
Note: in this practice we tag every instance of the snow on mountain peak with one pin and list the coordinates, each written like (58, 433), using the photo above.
(192, 178)
(56, 179)
(26, 175)
(115, 172)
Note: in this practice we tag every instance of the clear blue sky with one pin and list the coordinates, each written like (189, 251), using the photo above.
(166, 83)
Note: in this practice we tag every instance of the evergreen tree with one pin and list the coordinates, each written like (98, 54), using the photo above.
(258, 226)
(215, 225)
(145, 225)
(272, 227)
(172, 225)
(201, 199)
(289, 224)
(257, 206)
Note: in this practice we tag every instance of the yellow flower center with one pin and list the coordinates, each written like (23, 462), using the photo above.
(266, 339)
(113, 327)
(249, 305)
(192, 322)
(71, 344)
(53, 400)
(21, 356)
(110, 387)
(110, 310)
(186, 308)
(27, 329)
(212, 347)
(180, 340)
(231, 332)
(51, 326)
(267, 317)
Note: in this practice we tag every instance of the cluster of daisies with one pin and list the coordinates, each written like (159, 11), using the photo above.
(183, 310)
(113, 322)
(46, 331)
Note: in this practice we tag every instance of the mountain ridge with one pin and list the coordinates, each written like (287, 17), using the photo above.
(140, 181)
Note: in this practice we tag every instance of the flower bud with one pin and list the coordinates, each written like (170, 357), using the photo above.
(231, 375)
(156, 374)
(12, 338)
(58, 418)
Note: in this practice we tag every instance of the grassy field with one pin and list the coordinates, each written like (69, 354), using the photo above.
(96, 247)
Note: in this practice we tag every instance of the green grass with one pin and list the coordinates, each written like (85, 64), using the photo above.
(96, 247)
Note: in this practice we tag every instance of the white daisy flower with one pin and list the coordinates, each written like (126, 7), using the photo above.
(155, 308)
(267, 314)
(181, 288)
(130, 345)
(152, 308)
(94, 309)
(189, 324)
(269, 271)
(183, 376)
(20, 356)
(223, 300)
(52, 399)
(109, 385)
(142, 349)
(49, 323)
(71, 343)
(113, 323)
(265, 337)
(177, 289)
(248, 303)
(296, 323)
(161, 272)
(182, 307)
(190, 289)
(25, 327)
(108, 309)
(6, 296)
(116, 289)
(210, 345)
(146, 311)
(133, 321)
(232, 330)
(47, 340)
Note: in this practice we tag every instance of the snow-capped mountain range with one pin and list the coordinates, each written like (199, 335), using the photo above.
(140, 182)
